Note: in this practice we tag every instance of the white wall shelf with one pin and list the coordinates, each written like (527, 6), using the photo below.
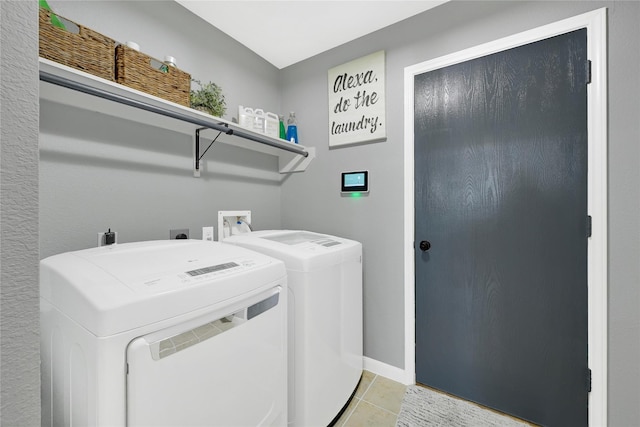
(65, 85)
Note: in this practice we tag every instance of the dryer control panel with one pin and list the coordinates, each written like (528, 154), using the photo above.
(212, 269)
(203, 272)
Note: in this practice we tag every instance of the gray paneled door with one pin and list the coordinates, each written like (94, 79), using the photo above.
(501, 230)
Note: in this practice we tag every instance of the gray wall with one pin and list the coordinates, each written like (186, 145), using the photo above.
(97, 172)
(313, 200)
(19, 326)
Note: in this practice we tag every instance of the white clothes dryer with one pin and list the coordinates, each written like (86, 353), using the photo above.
(171, 333)
(325, 318)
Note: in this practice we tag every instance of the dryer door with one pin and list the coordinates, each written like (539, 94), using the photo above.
(215, 370)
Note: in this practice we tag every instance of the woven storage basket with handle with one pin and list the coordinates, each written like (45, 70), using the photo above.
(86, 50)
(140, 71)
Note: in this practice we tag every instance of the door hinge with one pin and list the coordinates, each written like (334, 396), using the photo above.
(588, 380)
(589, 226)
(588, 71)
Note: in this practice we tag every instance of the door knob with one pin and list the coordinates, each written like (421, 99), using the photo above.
(425, 245)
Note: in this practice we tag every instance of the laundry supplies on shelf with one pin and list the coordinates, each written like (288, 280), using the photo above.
(283, 132)
(271, 125)
(258, 120)
(292, 128)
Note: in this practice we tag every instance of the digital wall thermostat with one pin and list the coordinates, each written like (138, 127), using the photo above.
(355, 182)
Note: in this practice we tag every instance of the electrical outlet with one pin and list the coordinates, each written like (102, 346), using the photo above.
(207, 234)
(179, 233)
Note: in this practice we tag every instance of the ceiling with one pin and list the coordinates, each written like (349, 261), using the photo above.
(285, 32)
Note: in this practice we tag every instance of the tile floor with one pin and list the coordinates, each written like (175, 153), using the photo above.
(376, 403)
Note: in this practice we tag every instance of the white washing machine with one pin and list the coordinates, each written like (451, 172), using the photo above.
(166, 333)
(325, 318)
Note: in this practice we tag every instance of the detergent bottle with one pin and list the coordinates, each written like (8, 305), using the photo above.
(292, 128)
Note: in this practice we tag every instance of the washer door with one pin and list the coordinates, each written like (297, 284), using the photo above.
(215, 370)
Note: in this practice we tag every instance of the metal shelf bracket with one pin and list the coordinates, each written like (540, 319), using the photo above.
(197, 155)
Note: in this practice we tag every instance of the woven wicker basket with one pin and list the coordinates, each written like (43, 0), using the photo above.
(87, 50)
(139, 71)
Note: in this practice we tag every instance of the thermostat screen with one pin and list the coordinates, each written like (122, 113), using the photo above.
(355, 181)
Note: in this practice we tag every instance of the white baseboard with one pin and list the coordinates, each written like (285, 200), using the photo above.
(388, 371)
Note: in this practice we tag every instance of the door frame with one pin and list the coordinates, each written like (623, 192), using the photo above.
(597, 253)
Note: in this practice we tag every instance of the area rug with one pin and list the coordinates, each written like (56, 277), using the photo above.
(424, 407)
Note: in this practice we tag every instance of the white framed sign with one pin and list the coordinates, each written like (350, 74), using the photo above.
(357, 101)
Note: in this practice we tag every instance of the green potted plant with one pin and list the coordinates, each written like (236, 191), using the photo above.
(209, 98)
